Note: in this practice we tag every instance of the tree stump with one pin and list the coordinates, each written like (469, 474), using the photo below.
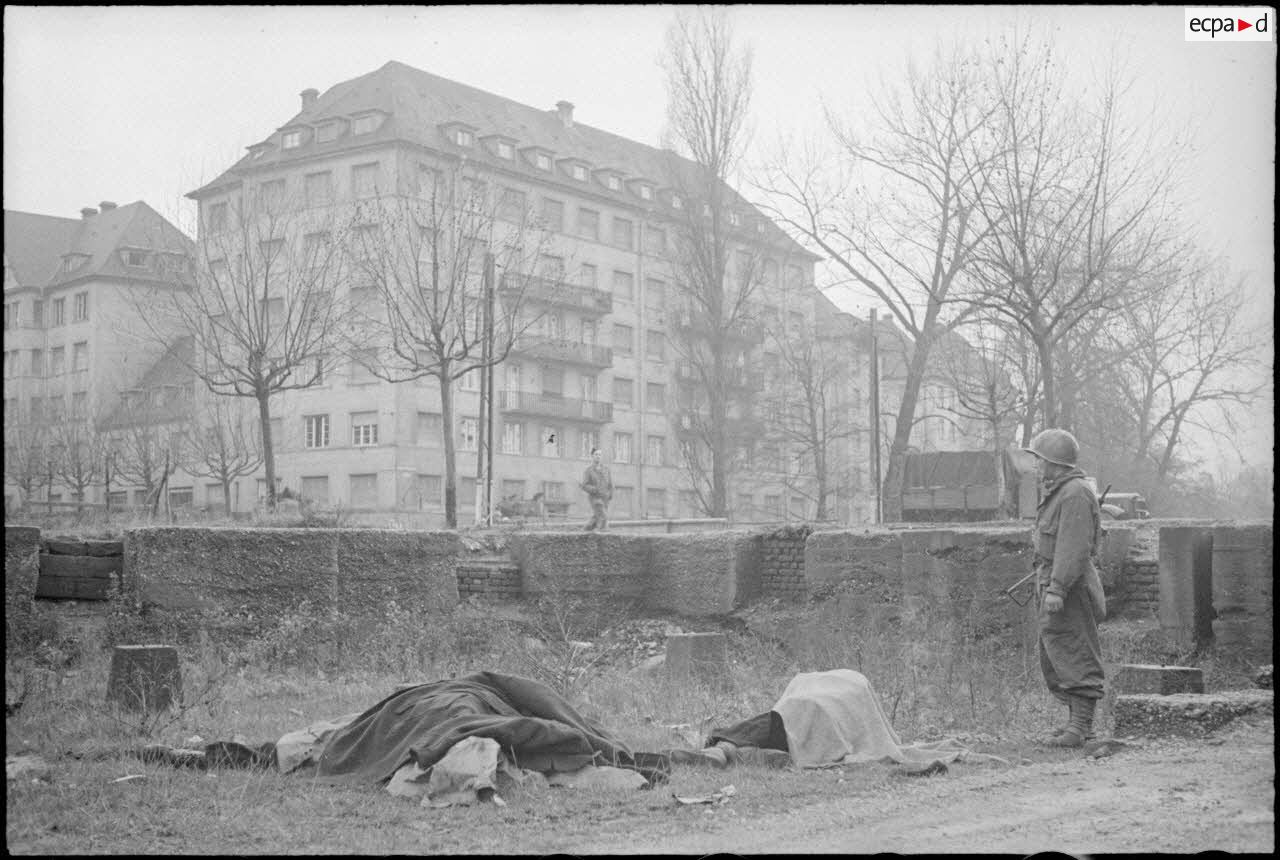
(145, 677)
(702, 657)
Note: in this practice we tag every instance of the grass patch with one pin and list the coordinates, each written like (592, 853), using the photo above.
(254, 678)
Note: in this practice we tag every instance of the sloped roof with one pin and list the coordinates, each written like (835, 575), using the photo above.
(418, 103)
(36, 244)
(171, 369)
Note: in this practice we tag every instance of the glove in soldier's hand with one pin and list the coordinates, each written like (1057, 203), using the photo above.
(1052, 603)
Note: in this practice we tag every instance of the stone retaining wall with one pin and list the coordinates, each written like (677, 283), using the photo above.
(692, 574)
(21, 572)
(181, 568)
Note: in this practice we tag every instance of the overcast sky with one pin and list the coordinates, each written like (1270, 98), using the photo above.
(140, 103)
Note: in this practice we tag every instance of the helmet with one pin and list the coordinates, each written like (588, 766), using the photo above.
(1055, 446)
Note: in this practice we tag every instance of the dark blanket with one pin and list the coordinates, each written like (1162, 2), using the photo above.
(765, 731)
(535, 726)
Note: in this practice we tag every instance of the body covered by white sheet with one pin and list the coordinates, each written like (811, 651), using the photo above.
(835, 717)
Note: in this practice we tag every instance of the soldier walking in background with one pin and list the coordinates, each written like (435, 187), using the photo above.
(1071, 601)
(598, 485)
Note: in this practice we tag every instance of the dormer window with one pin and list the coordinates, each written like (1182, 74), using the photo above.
(135, 258)
(462, 137)
(258, 151)
(646, 193)
(578, 172)
(542, 161)
(506, 150)
(71, 262)
(734, 219)
(364, 124)
(327, 132)
(676, 202)
(291, 140)
(612, 182)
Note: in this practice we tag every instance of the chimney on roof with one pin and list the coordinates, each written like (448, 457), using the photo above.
(565, 109)
(106, 205)
(309, 96)
(88, 212)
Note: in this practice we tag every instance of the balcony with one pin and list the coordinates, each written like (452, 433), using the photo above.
(588, 301)
(554, 406)
(567, 351)
(745, 330)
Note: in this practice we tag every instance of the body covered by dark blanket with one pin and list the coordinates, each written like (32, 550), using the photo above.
(535, 726)
(765, 731)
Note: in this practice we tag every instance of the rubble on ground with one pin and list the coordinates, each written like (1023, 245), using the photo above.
(1188, 714)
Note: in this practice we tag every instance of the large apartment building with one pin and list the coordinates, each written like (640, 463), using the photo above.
(74, 339)
(600, 371)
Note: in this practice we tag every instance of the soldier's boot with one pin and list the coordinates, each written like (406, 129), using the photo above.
(1080, 729)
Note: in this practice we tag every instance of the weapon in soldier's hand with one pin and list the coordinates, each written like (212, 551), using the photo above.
(1011, 591)
(1103, 498)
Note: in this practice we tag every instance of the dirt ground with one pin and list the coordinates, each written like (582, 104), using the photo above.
(1160, 795)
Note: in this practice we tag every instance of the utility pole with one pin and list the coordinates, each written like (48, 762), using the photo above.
(484, 450)
(488, 372)
(874, 388)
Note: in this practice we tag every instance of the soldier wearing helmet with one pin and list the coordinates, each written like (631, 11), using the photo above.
(1068, 528)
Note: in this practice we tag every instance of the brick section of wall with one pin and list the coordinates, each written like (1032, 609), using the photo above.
(177, 568)
(488, 578)
(21, 572)
(782, 564)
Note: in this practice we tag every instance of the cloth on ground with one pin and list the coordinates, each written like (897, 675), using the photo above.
(301, 748)
(535, 726)
(765, 731)
(834, 717)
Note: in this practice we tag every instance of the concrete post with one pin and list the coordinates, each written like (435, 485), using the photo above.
(1185, 559)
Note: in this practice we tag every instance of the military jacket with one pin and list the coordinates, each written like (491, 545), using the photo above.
(1068, 531)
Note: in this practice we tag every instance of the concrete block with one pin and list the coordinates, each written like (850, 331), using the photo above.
(698, 657)
(1184, 572)
(1242, 570)
(868, 562)
(1131, 678)
(184, 568)
(612, 564)
(145, 677)
(707, 574)
(1189, 714)
(21, 573)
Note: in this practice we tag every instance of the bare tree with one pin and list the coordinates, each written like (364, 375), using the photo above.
(1182, 357)
(260, 310)
(82, 450)
(977, 370)
(806, 411)
(1078, 214)
(27, 450)
(894, 213)
(449, 271)
(222, 445)
(147, 436)
(708, 96)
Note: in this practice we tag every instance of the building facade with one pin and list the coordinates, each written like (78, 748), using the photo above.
(74, 337)
(601, 367)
